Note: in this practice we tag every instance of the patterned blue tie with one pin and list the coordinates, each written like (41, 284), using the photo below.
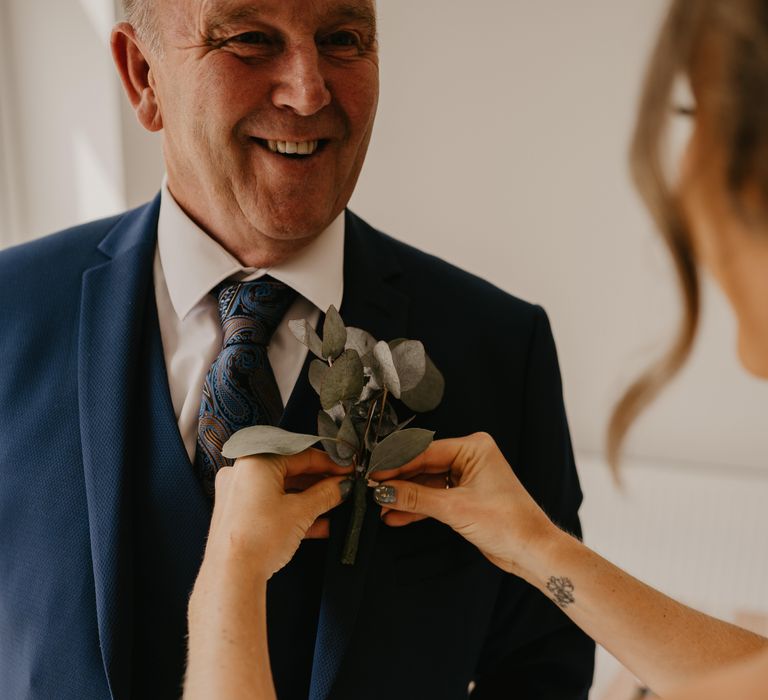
(240, 388)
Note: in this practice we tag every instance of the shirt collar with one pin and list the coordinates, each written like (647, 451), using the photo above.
(194, 263)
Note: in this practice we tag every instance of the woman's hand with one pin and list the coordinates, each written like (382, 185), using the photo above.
(266, 505)
(486, 504)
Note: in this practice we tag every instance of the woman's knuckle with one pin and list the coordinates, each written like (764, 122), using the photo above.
(483, 439)
(411, 500)
(223, 475)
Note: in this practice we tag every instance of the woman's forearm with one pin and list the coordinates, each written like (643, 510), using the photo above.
(666, 644)
(228, 654)
(745, 680)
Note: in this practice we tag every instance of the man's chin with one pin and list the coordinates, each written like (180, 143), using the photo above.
(294, 224)
(274, 241)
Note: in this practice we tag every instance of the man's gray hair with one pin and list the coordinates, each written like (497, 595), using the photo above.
(141, 16)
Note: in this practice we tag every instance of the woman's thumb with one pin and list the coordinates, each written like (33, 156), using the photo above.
(326, 494)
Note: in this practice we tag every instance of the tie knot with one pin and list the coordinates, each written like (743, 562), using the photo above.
(250, 312)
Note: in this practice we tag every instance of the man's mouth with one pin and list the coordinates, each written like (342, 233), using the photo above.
(292, 149)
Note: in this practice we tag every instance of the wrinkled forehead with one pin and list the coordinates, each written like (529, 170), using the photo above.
(207, 14)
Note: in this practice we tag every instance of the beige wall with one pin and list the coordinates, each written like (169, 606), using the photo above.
(500, 146)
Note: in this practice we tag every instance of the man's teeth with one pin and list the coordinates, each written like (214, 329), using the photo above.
(301, 148)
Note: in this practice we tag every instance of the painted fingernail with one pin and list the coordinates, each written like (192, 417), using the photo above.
(385, 494)
(346, 488)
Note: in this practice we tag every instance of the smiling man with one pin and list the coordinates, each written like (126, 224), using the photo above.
(117, 399)
(266, 109)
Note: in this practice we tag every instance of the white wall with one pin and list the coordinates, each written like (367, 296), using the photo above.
(72, 151)
(11, 225)
(501, 145)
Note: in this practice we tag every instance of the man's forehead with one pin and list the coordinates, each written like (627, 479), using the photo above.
(216, 12)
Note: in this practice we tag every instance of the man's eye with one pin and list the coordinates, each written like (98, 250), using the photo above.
(341, 40)
(250, 38)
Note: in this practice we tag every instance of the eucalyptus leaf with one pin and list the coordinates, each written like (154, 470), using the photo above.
(266, 439)
(326, 426)
(386, 368)
(307, 335)
(344, 380)
(348, 440)
(360, 340)
(318, 371)
(369, 361)
(328, 430)
(372, 387)
(410, 362)
(359, 425)
(428, 394)
(336, 457)
(337, 412)
(334, 334)
(399, 449)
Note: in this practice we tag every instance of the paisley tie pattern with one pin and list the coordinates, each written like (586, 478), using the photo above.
(240, 388)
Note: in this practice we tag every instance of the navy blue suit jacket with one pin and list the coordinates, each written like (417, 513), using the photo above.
(422, 613)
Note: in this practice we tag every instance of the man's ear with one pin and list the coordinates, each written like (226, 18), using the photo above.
(135, 73)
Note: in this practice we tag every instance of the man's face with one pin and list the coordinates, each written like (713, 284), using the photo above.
(267, 108)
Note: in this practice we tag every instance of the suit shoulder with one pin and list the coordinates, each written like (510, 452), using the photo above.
(53, 265)
(56, 256)
(56, 249)
(436, 283)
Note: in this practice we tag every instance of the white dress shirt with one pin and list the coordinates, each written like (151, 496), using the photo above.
(189, 264)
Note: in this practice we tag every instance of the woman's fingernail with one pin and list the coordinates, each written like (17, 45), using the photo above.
(385, 494)
(346, 488)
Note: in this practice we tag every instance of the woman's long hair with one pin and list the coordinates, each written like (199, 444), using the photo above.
(737, 99)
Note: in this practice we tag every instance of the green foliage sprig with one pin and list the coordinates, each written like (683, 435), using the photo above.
(356, 378)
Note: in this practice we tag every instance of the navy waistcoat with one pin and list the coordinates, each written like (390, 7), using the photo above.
(170, 520)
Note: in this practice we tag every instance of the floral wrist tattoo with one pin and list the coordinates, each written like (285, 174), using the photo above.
(561, 590)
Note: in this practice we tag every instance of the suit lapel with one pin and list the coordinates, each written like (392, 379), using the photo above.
(111, 308)
(371, 302)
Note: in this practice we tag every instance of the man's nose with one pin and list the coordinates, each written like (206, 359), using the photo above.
(301, 86)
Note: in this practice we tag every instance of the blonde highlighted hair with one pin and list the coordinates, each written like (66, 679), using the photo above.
(737, 97)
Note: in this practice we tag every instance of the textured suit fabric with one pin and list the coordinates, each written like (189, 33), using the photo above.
(103, 523)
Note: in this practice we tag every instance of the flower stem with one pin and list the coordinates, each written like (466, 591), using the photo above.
(359, 506)
(381, 413)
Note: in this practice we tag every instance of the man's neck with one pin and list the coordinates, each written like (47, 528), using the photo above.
(248, 245)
